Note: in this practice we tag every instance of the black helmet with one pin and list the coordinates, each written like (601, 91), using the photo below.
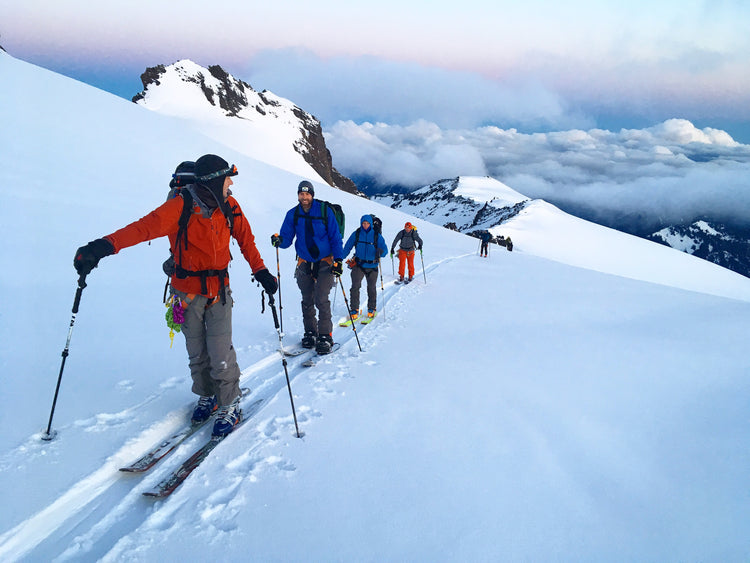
(183, 175)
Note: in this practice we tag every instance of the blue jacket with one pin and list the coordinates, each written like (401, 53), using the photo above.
(326, 235)
(364, 245)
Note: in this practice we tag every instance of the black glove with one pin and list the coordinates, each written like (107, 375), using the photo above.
(337, 268)
(268, 282)
(87, 257)
(275, 240)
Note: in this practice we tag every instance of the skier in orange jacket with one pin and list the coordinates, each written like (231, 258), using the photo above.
(200, 280)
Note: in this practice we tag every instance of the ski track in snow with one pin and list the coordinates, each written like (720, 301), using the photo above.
(93, 518)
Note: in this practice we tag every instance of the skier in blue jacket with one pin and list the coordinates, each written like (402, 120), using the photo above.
(369, 246)
(319, 262)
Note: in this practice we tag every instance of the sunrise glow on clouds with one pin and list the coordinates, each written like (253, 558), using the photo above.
(580, 49)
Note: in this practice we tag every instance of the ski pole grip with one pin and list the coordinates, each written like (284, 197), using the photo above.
(272, 303)
(79, 291)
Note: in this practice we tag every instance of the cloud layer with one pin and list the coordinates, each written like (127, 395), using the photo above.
(374, 89)
(668, 173)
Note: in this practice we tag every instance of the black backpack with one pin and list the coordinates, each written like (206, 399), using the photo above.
(377, 224)
(184, 176)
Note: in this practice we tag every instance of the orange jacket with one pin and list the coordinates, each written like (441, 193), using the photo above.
(208, 241)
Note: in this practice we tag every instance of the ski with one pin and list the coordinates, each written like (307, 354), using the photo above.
(347, 320)
(149, 459)
(168, 485)
(293, 352)
(367, 320)
(314, 360)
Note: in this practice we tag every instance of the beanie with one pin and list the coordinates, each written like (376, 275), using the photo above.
(305, 186)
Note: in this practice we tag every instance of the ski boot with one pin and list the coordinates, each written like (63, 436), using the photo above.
(324, 344)
(204, 409)
(227, 417)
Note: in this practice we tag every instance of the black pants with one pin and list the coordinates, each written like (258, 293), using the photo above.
(315, 280)
(371, 275)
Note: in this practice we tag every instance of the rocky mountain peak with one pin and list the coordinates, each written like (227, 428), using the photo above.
(236, 99)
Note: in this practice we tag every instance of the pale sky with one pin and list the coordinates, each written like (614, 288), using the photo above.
(549, 64)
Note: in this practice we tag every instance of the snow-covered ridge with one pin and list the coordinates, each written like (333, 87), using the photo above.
(259, 124)
(472, 204)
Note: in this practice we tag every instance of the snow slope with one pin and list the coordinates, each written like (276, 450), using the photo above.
(529, 406)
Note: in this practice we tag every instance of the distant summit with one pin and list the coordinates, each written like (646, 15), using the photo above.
(721, 244)
(465, 204)
(259, 124)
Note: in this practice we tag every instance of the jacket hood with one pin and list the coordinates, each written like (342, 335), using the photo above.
(367, 218)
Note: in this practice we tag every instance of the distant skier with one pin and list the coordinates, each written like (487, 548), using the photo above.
(200, 280)
(369, 246)
(409, 240)
(485, 237)
(319, 262)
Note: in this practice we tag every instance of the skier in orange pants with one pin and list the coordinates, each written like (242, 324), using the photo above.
(409, 240)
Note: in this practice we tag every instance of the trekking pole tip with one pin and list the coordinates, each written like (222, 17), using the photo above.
(48, 436)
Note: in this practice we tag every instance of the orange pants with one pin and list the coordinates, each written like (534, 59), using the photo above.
(403, 257)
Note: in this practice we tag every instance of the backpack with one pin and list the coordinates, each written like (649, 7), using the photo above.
(377, 226)
(172, 266)
(338, 214)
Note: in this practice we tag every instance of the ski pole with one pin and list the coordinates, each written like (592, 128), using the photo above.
(333, 307)
(349, 312)
(393, 267)
(423, 272)
(272, 303)
(382, 287)
(281, 306)
(48, 435)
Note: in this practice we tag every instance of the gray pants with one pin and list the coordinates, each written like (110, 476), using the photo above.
(208, 339)
(315, 280)
(371, 275)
